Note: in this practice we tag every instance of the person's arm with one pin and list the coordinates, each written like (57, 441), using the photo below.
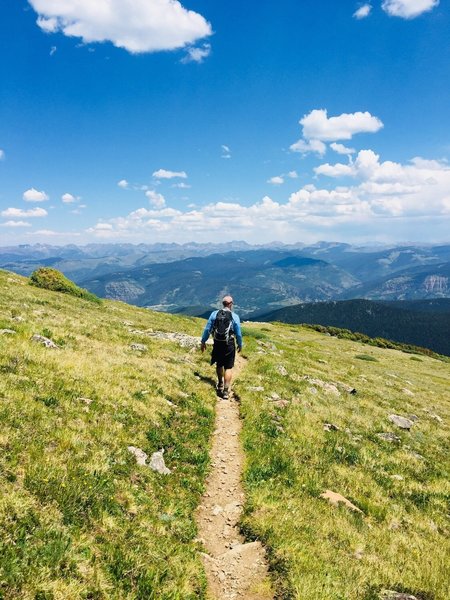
(237, 331)
(207, 329)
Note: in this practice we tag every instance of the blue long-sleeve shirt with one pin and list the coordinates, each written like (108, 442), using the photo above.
(236, 327)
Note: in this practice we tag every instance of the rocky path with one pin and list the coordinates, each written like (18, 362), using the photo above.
(235, 569)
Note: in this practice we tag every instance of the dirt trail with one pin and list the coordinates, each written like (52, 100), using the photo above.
(235, 570)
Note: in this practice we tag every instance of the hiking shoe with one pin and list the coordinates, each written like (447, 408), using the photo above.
(225, 394)
(219, 389)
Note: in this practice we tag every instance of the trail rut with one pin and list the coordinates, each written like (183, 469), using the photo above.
(234, 569)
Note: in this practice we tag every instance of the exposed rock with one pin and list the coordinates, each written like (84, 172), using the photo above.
(139, 454)
(274, 396)
(397, 477)
(346, 388)
(389, 437)
(40, 339)
(330, 427)
(407, 392)
(401, 422)
(157, 463)
(7, 332)
(327, 387)
(86, 401)
(281, 403)
(139, 347)
(335, 499)
(413, 418)
(393, 595)
(257, 388)
(282, 370)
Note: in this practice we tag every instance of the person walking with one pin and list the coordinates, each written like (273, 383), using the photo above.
(225, 327)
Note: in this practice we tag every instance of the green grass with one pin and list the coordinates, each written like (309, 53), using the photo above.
(78, 517)
(317, 551)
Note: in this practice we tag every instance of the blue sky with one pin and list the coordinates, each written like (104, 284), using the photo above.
(155, 120)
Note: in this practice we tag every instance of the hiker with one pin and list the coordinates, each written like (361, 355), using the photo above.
(224, 325)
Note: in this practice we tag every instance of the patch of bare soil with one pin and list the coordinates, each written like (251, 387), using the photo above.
(234, 569)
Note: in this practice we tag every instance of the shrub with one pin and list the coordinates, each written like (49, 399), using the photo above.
(54, 280)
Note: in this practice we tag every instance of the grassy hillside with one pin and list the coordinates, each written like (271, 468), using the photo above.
(421, 323)
(305, 433)
(80, 519)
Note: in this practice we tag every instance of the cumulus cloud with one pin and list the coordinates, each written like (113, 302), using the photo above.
(135, 25)
(164, 174)
(197, 55)
(337, 170)
(20, 213)
(33, 195)
(317, 126)
(363, 11)
(123, 183)
(16, 224)
(277, 180)
(408, 9)
(68, 198)
(341, 149)
(155, 199)
(305, 147)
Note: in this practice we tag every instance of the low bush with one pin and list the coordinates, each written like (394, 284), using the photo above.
(55, 281)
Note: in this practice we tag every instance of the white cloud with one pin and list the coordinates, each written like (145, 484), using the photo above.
(164, 174)
(20, 213)
(226, 152)
(408, 9)
(181, 186)
(341, 149)
(337, 170)
(196, 54)
(363, 11)
(293, 174)
(68, 198)
(16, 224)
(135, 25)
(315, 146)
(2, 154)
(33, 195)
(276, 180)
(317, 126)
(123, 183)
(155, 199)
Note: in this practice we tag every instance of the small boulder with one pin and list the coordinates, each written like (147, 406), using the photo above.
(389, 437)
(139, 347)
(335, 499)
(40, 339)
(282, 370)
(139, 454)
(401, 422)
(330, 427)
(393, 595)
(157, 463)
(7, 332)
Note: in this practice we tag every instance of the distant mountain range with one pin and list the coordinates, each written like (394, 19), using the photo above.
(423, 323)
(176, 278)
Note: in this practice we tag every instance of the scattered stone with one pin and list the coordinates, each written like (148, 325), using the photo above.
(274, 396)
(327, 387)
(282, 370)
(347, 388)
(416, 455)
(7, 332)
(40, 339)
(330, 427)
(257, 388)
(139, 454)
(401, 422)
(393, 595)
(389, 437)
(184, 340)
(335, 499)
(18, 319)
(407, 392)
(139, 347)
(413, 418)
(436, 417)
(322, 362)
(281, 403)
(157, 463)
(397, 477)
(359, 553)
(86, 401)
(169, 403)
(312, 390)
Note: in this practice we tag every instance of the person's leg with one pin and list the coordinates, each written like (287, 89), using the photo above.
(227, 378)
(220, 376)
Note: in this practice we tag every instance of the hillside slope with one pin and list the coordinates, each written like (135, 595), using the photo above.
(80, 519)
(421, 323)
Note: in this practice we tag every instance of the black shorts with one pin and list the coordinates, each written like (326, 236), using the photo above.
(224, 354)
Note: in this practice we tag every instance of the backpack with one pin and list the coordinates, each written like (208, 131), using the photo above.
(222, 329)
